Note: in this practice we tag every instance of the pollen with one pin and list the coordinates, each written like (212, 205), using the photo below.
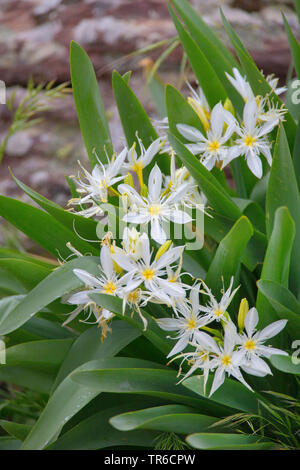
(250, 344)
(110, 288)
(191, 324)
(226, 360)
(214, 146)
(154, 209)
(249, 141)
(218, 312)
(148, 274)
(133, 296)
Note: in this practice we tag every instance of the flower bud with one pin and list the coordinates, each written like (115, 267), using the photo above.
(243, 310)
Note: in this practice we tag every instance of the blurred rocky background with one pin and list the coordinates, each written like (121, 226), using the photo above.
(34, 43)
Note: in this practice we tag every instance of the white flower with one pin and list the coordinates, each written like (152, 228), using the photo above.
(200, 105)
(157, 207)
(187, 323)
(131, 243)
(137, 164)
(273, 82)
(151, 273)
(252, 344)
(94, 186)
(215, 310)
(241, 85)
(108, 282)
(212, 148)
(253, 140)
(226, 360)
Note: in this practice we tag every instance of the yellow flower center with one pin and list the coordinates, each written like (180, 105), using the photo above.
(191, 323)
(214, 146)
(154, 209)
(250, 344)
(110, 288)
(249, 140)
(133, 296)
(148, 274)
(218, 312)
(226, 360)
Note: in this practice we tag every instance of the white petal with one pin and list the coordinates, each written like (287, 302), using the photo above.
(250, 115)
(178, 217)
(106, 261)
(218, 380)
(157, 232)
(151, 152)
(217, 120)
(255, 165)
(206, 341)
(124, 262)
(170, 324)
(87, 278)
(251, 321)
(154, 183)
(179, 346)
(169, 257)
(272, 330)
(190, 133)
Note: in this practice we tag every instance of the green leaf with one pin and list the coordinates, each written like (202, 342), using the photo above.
(133, 116)
(217, 54)
(228, 255)
(69, 397)
(153, 333)
(282, 176)
(46, 355)
(16, 430)
(284, 303)
(41, 227)
(89, 105)
(9, 443)
(89, 346)
(28, 273)
(86, 228)
(287, 364)
(58, 283)
(163, 418)
(294, 45)
(95, 432)
(28, 377)
(276, 265)
(202, 33)
(258, 83)
(174, 102)
(206, 75)
(232, 394)
(127, 375)
(217, 197)
(227, 442)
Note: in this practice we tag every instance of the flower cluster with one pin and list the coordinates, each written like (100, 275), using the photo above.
(164, 199)
(146, 268)
(224, 137)
(132, 273)
(223, 351)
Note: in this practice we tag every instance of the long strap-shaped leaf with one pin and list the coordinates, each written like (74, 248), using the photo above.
(89, 105)
(70, 397)
(42, 228)
(276, 265)
(217, 197)
(258, 83)
(59, 282)
(207, 77)
(228, 255)
(283, 191)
